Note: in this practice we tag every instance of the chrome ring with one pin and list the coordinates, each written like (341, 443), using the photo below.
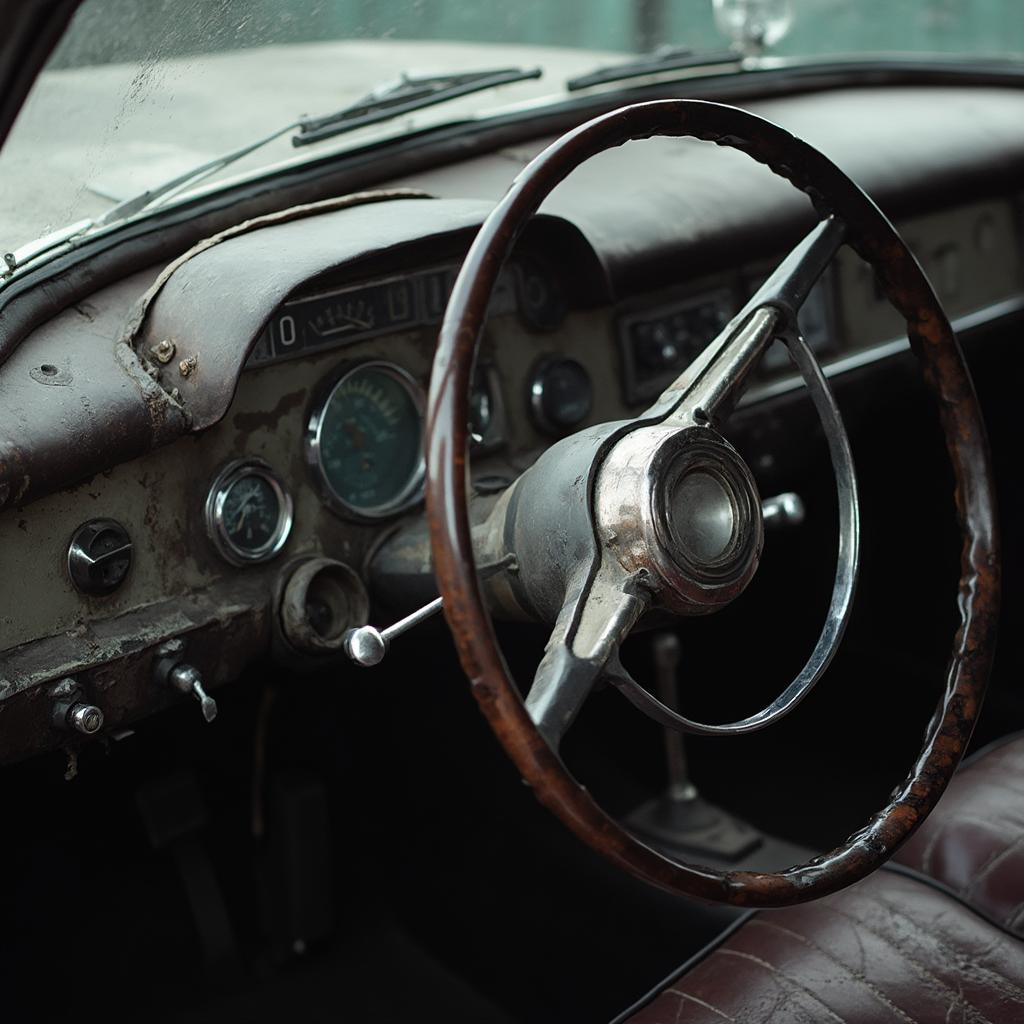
(843, 588)
(216, 528)
(412, 493)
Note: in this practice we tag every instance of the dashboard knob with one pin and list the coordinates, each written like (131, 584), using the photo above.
(72, 711)
(85, 718)
(99, 557)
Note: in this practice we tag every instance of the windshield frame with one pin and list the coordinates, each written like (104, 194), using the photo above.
(435, 142)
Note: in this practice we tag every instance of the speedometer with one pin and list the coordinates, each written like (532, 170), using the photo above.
(365, 441)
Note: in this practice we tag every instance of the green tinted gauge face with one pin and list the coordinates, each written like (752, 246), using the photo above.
(251, 513)
(371, 441)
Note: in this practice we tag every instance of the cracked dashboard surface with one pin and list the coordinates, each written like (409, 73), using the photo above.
(192, 453)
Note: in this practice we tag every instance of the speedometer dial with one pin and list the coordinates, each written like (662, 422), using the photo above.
(365, 441)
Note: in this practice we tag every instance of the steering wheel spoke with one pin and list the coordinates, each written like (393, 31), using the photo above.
(585, 641)
(709, 388)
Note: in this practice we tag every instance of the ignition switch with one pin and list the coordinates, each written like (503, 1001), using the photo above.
(72, 711)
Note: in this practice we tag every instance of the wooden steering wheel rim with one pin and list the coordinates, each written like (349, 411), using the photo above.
(932, 341)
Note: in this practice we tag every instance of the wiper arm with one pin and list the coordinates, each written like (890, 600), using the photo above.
(673, 58)
(383, 104)
(405, 96)
(137, 203)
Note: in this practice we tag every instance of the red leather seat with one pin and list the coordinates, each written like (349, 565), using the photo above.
(974, 842)
(937, 938)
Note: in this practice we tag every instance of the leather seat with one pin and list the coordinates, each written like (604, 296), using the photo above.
(937, 937)
(974, 842)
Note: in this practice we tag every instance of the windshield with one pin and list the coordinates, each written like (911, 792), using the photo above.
(141, 91)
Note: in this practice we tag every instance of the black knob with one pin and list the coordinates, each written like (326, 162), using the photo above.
(99, 556)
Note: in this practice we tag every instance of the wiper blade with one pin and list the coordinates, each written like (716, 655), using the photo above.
(672, 58)
(383, 104)
(405, 96)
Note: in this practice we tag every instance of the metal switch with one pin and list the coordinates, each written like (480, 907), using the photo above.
(71, 711)
(172, 670)
(186, 679)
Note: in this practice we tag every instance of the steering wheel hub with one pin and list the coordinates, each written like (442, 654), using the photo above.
(681, 506)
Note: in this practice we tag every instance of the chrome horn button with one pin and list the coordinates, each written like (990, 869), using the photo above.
(681, 506)
(701, 517)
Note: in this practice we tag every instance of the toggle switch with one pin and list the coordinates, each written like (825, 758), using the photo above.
(171, 670)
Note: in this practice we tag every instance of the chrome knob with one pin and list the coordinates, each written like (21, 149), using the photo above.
(366, 645)
(186, 679)
(786, 509)
(71, 711)
(85, 718)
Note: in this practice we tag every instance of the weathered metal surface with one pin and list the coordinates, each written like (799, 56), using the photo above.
(118, 399)
(936, 347)
(214, 301)
(112, 661)
(98, 409)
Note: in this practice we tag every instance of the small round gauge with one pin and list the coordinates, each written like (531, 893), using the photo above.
(248, 512)
(365, 442)
(481, 411)
(561, 395)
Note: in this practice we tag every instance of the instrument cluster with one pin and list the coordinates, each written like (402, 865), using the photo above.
(364, 430)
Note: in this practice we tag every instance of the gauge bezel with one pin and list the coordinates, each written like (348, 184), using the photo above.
(216, 527)
(412, 493)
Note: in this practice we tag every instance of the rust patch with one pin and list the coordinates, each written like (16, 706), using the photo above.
(248, 422)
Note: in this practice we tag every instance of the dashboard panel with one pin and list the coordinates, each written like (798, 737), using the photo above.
(309, 445)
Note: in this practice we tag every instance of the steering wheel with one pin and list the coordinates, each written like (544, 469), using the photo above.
(660, 512)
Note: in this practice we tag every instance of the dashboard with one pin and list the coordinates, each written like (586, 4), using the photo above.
(282, 376)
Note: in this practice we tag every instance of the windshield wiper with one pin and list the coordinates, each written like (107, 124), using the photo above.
(405, 96)
(389, 101)
(672, 58)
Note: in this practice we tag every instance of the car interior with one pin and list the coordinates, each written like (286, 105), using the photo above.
(398, 543)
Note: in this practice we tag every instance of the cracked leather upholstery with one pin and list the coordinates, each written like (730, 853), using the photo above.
(893, 947)
(974, 840)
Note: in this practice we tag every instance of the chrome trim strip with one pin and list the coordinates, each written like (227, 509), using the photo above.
(965, 324)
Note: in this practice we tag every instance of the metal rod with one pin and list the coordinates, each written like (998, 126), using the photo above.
(413, 619)
(665, 648)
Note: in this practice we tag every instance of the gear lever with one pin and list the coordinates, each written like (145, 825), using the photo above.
(680, 821)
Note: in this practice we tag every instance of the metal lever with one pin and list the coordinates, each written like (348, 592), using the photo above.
(170, 669)
(367, 645)
(786, 509)
(665, 649)
(186, 679)
(680, 821)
